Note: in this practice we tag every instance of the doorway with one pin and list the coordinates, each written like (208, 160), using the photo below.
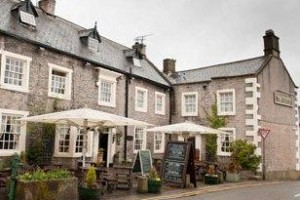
(103, 144)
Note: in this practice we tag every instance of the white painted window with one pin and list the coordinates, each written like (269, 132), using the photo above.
(141, 99)
(159, 141)
(27, 18)
(139, 139)
(137, 62)
(60, 82)
(224, 141)
(14, 71)
(63, 132)
(69, 141)
(12, 134)
(189, 104)
(107, 83)
(226, 102)
(93, 44)
(160, 103)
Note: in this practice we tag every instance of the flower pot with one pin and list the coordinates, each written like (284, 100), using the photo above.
(232, 177)
(154, 186)
(211, 179)
(89, 193)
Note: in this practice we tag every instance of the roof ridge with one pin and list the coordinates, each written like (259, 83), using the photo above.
(221, 64)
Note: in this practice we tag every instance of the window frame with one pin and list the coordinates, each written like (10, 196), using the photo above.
(223, 113)
(162, 147)
(143, 137)
(163, 111)
(183, 108)
(68, 83)
(25, 81)
(145, 99)
(22, 135)
(219, 142)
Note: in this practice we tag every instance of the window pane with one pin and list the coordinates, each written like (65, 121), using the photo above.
(58, 84)
(226, 139)
(64, 138)
(190, 103)
(10, 129)
(138, 143)
(140, 99)
(79, 142)
(106, 91)
(226, 102)
(13, 73)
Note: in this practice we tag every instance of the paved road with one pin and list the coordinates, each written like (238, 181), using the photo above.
(278, 191)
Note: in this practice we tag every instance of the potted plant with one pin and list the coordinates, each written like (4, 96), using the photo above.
(211, 177)
(89, 189)
(154, 181)
(234, 168)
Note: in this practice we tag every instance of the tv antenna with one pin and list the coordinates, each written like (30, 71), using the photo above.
(141, 38)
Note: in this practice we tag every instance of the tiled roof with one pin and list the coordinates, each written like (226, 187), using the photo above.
(238, 68)
(64, 36)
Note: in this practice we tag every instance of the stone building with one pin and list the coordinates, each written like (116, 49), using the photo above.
(252, 94)
(48, 63)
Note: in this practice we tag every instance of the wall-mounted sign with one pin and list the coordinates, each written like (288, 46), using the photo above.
(283, 99)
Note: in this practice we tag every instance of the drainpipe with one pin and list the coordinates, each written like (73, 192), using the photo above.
(127, 81)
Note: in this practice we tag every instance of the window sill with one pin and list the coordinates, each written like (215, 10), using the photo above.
(14, 88)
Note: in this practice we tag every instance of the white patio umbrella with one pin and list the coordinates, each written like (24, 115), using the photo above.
(85, 118)
(185, 129)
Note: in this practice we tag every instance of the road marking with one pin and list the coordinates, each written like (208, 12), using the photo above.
(297, 195)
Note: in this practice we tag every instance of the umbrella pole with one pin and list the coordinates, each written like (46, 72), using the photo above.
(84, 150)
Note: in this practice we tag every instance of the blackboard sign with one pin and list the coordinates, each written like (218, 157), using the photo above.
(174, 171)
(178, 161)
(143, 162)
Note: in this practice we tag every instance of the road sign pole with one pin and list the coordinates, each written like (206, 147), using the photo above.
(264, 160)
(264, 133)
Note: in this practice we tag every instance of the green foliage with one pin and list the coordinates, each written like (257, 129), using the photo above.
(215, 122)
(153, 175)
(91, 177)
(243, 154)
(40, 175)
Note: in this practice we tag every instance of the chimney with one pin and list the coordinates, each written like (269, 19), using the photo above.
(271, 42)
(140, 49)
(169, 66)
(47, 6)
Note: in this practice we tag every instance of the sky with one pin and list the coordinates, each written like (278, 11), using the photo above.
(196, 33)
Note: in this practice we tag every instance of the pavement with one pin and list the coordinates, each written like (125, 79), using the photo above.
(168, 192)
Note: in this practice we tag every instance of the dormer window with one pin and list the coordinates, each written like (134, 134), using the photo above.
(137, 62)
(26, 12)
(91, 38)
(27, 18)
(93, 44)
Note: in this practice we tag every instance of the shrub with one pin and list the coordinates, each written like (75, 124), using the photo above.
(153, 175)
(243, 154)
(41, 175)
(91, 177)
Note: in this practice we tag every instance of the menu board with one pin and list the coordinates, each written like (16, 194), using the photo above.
(143, 162)
(176, 162)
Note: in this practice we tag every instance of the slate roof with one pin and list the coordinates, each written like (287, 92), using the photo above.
(232, 69)
(62, 35)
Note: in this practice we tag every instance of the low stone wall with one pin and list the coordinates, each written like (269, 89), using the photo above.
(283, 175)
(47, 190)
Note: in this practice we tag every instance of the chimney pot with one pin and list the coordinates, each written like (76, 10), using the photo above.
(140, 49)
(169, 66)
(48, 6)
(271, 44)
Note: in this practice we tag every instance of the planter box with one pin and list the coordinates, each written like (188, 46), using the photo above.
(209, 179)
(232, 177)
(47, 190)
(154, 186)
(89, 193)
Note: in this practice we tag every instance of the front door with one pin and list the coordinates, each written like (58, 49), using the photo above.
(103, 144)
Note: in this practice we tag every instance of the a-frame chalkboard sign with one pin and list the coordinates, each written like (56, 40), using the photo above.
(143, 162)
(179, 161)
